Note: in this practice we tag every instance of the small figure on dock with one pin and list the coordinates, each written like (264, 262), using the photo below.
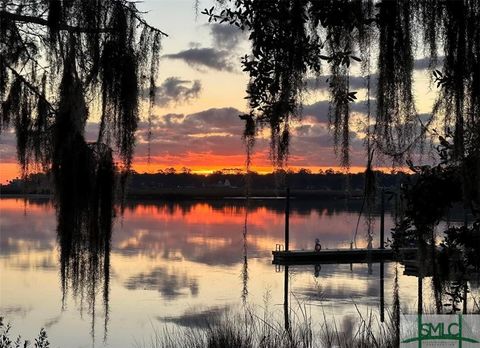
(318, 246)
(318, 268)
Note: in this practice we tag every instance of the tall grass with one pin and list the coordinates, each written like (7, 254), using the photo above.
(247, 329)
(8, 342)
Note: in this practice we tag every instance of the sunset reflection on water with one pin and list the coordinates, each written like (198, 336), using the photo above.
(169, 259)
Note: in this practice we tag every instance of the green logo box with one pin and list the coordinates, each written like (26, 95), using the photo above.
(440, 330)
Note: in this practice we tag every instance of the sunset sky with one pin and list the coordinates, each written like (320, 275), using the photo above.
(201, 92)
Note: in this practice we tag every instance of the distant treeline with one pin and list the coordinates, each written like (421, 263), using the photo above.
(303, 179)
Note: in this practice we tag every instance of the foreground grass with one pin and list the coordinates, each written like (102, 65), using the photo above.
(7, 342)
(246, 329)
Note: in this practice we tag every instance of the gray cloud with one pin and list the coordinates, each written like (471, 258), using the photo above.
(320, 83)
(218, 131)
(360, 106)
(8, 149)
(175, 90)
(205, 58)
(356, 82)
(226, 36)
(215, 120)
(214, 131)
(318, 110)
(424, 63)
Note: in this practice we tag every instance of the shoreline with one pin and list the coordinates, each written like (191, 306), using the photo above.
(213, 194)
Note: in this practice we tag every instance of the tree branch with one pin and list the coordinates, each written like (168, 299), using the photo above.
(4, 15)
(144, 22)
(32, 88)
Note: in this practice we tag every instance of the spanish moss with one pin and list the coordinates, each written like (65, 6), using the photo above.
(292, 39)
(59, 60)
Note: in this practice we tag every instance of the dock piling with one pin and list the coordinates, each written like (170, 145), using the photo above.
(287, 219)
(285, 301)
(382, 221)
(382, 292)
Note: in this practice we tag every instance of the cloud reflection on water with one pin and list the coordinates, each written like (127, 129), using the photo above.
(167, 258)
(170, 284)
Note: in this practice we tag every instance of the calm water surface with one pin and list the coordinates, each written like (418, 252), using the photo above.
(172, 264)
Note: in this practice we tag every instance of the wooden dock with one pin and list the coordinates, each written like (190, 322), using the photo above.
(308, 257)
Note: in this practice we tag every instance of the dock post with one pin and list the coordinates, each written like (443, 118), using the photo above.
(382, 292)
(420, 293)
(287, 219)
(382, 221)
(285, 302)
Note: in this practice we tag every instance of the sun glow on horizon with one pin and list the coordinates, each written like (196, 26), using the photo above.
(11, 171)
(261, 169)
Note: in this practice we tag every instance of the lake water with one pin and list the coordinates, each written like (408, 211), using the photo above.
(174, 263)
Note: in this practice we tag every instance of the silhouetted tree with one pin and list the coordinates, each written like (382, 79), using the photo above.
(291, 39)
(60, 59)
(62, 62)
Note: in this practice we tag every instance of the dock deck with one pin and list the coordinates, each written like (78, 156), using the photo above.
(305, 257)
